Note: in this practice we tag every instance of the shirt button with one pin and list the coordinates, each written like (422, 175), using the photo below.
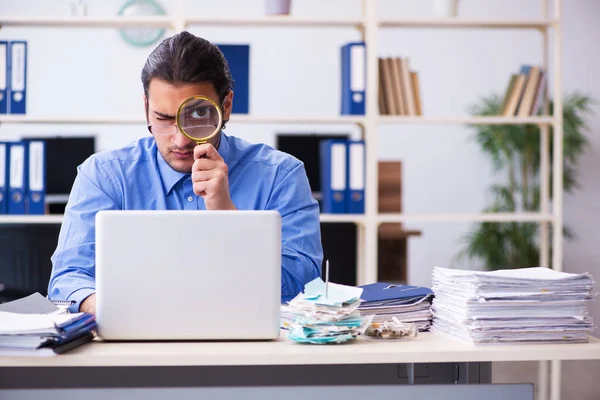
(190, 199)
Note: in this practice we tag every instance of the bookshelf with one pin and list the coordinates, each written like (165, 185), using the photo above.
(369, 25)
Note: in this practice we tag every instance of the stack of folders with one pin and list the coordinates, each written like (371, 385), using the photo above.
(44, 334)
(33, 325)
(323, 315)
(384, 301)
(525, 305)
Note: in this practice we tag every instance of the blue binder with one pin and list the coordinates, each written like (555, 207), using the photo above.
(17, 172)
(333, 154)
(356, 177)
(387, 293)
(353, 78)
(238, 58)
(4, 76)
(3, 178)
(18, 77)
(36, 177)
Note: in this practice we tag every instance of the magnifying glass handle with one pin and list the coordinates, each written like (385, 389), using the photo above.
(204, 155)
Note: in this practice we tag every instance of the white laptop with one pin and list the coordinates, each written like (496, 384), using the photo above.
(188, 275)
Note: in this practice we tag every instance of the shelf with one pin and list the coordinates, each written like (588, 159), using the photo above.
(31, 219)
(170, 21)
(88, 22)
(342, 218)
(26, 119)
(467, 23)
(275, 20)
(493, 120)
(57, 218)
(235, 119)
(476, 217)
(251, 119)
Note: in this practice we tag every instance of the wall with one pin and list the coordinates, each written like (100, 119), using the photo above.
(296, 72)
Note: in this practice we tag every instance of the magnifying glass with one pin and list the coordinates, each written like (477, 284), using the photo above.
(199, 118)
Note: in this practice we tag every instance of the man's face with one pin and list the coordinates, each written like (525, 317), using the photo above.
(163, 102)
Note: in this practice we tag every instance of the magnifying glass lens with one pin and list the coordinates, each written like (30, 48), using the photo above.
(199, 118)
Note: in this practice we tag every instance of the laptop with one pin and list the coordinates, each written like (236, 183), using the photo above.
(188, 275)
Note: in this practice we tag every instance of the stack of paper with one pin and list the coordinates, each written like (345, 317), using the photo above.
(325, 315)
(409, 304)
(516, 305)
(44, 334)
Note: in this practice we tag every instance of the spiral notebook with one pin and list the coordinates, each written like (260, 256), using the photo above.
(36, 304)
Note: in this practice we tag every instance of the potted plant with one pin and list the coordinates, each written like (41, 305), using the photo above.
(514, 151)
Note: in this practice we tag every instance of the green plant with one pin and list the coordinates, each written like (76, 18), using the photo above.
(515, 153)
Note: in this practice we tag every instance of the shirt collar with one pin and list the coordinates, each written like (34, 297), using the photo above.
(170, 177)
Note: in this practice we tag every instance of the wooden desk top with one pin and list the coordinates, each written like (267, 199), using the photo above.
(427, 347)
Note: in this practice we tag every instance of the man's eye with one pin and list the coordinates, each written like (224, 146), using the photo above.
(201, 112)
(162, 119)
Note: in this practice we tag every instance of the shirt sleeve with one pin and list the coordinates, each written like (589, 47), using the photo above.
(73, 262)
(302, 252)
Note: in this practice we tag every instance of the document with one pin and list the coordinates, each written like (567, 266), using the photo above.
(517, 305)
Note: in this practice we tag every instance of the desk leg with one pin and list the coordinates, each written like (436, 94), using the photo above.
(410, 369)
(555, 379)
(543, 374)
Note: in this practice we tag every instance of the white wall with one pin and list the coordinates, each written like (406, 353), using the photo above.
(296, 72)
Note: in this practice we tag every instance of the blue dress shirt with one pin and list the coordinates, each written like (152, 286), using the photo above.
(137, 177)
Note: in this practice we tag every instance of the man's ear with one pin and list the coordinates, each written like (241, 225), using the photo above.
(146, 107)
(227, 106)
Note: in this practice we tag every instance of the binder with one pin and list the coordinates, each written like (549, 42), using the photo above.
(18, 77)
(238, 58)
(17, 171)
(4, 76)
(3, 178)
(333, 154)
(36, 182)
(386, 292)
(353, 78)
(356, 177)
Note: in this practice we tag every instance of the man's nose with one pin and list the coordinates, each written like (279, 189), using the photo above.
(180, 140)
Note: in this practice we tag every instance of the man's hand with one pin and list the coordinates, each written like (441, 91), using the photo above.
(89, 304)
(210, 178)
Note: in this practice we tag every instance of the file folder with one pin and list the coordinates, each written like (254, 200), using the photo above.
(4, 76)
(3, 178)
(36, 182)
(353, 78)
(238, 58)
(386, 292)
(18, 78)
(17, 171)
(356, 177)
(333, 156)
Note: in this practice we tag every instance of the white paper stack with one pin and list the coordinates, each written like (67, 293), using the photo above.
(512, 305)
(44, 334)
(325, 316)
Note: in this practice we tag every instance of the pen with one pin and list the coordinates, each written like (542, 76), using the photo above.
(326, 278)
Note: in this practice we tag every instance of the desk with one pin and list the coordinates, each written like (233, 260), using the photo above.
(427, 347)
(232, 357)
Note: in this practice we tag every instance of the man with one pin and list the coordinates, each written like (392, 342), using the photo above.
(166, 170)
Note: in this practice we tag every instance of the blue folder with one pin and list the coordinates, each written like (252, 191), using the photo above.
(238, 58)
(18, 77)
(333, 154)
(4, 178)
(389, 293)
(4, 75)
(17, 171)
(353, 74)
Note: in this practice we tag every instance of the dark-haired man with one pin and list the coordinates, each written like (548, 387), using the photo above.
(167, 171)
